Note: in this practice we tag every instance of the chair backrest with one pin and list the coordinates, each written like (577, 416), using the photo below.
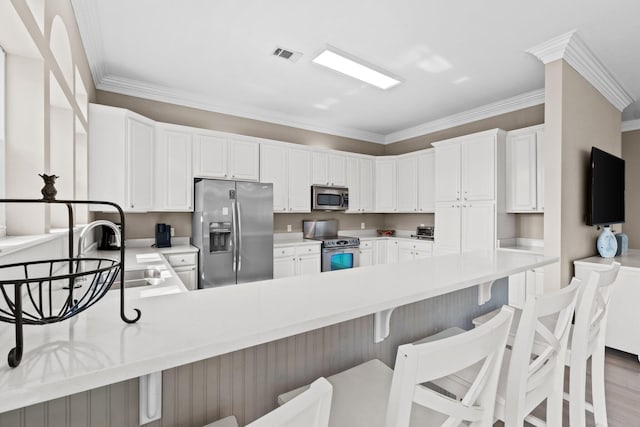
(536, 377)
(417, 364)
(592, 312)
(310, 409)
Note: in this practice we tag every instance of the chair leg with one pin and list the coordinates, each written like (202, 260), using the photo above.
(555, 401)
(597, 388)
(577, 391)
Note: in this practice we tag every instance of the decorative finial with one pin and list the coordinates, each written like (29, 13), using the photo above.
(49, 190)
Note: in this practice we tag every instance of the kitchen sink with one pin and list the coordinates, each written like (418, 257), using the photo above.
(137, 278)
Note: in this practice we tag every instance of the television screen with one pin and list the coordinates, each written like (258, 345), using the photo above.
(606, 189)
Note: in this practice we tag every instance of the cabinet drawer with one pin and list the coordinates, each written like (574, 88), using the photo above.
(308, 249)
(177, 260)
(284, 252)
(366, 244)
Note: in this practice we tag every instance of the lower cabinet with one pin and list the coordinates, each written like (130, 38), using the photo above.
(393, 251)
(410, 250)
(523, 284)
(185, 266)
(296, 260)
(367, 253)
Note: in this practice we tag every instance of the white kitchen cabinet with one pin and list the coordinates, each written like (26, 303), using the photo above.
(393, 251)
(121, 159)
(448, 228)
(407, 186)
(410, 250)
(524, 170)
(296, 260)
(220, 156)
(386, 179)
(186, 268)
(366, 184)
(173, 171)
(523, 284)
(478, 175)
(367, 253)
(447, 178)
(288, 169)
(353, 184)
(426, 181)
(381, 247)
(478, 226)
(329, 169)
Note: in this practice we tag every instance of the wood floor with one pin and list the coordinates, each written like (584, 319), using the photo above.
(622, 376)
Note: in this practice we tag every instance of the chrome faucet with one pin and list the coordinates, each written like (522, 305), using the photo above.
(81, 242)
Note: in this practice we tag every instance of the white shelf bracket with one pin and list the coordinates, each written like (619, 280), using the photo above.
(484, 292)
(150, 397)
(381, 322)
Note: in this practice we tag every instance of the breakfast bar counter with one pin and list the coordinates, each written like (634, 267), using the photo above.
(96, 348)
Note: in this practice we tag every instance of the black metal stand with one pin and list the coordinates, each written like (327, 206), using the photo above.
(39, 289)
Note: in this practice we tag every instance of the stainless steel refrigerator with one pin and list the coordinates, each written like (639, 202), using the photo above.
(233, 228)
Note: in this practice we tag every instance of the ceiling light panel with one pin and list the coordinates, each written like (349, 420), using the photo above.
(351, 67)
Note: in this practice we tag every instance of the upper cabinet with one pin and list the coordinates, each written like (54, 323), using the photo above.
(121, 158)
(224, 157)
(289, 170)
(407, 183)
(359, 171)
(173, 169)
(525, 177)
(426, 181)
(386, 184)
(329, 169)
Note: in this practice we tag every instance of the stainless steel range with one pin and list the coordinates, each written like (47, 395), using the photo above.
(338, 252)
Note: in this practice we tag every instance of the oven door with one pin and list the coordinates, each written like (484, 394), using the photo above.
(340, 258)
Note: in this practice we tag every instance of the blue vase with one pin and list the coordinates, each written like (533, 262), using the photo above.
(607, 244)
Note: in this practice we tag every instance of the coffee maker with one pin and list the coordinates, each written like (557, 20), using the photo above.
(107, 240)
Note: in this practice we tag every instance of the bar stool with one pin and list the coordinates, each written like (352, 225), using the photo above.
(372, 394)
(526, 382)
(309, 409)
(587, 341)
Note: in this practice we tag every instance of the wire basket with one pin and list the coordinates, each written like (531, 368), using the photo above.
(49, 291)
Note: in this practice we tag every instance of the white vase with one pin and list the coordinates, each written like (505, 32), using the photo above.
(607, 244)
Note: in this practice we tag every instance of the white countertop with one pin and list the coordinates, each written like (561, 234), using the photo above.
(96, 348)
(519, 244)
(629, 261)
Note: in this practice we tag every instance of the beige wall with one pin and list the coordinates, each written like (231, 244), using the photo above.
(577, 117)
(186, 116)
(631, 155)
(142, 225)
(509, 121)
(530, 226)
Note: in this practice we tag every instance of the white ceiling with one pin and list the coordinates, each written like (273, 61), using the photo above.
(453, 56)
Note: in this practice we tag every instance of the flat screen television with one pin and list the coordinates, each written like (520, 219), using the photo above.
(605, 189)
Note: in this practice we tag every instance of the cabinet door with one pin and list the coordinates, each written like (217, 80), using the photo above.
(381, 251)
(447, 228)
(366, 257)
(408, 184)
(478, 226)
(140, 160)
(479, 169)
(393, 251)
(426, 182)
(447, 178)
(308, 264)
(284, 267)
(386, 185)
(337, 170)
(366, 185)
(173, 172)
(521, 173)
(299, 181)
(405, 254)
(210, 157)
(353, 184)
(320, 168)
(422, 254)
(244, 160)
(540, 171)
(187, 276)
(275, 170)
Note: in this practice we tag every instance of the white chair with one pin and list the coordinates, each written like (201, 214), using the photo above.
(587, 341)
(371, 394)
(309, 409)
(528, 379)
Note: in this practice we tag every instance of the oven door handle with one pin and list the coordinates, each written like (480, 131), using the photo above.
(331, 250)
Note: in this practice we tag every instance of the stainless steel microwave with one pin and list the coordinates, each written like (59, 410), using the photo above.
(329, 198)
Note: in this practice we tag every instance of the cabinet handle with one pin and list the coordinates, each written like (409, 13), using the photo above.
(225, 175)
(284, 209)
(282, 251)
(290, 209)
(132, 206)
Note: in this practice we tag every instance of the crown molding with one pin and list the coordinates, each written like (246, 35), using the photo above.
(575, 52)
(87, 19)
(525, 100)
(630, 125)
(159, 93)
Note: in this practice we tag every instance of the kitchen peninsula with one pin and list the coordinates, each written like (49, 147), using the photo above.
(96, 348)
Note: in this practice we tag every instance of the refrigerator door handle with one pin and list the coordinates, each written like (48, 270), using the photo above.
(239, 216)
(234, 218)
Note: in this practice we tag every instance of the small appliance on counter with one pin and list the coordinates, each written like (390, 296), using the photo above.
(107, 241)
(424, 232)
(163, 236)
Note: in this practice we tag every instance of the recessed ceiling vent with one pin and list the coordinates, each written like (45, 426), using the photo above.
(287, 54)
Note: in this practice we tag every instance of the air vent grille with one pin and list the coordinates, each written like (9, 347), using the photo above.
(287, 54)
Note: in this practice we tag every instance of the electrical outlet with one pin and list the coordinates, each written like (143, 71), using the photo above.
(173, 232)
(288, 228)
(362, 225)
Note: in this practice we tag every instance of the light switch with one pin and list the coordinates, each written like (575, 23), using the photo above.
(288, 228)
(362, 225)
